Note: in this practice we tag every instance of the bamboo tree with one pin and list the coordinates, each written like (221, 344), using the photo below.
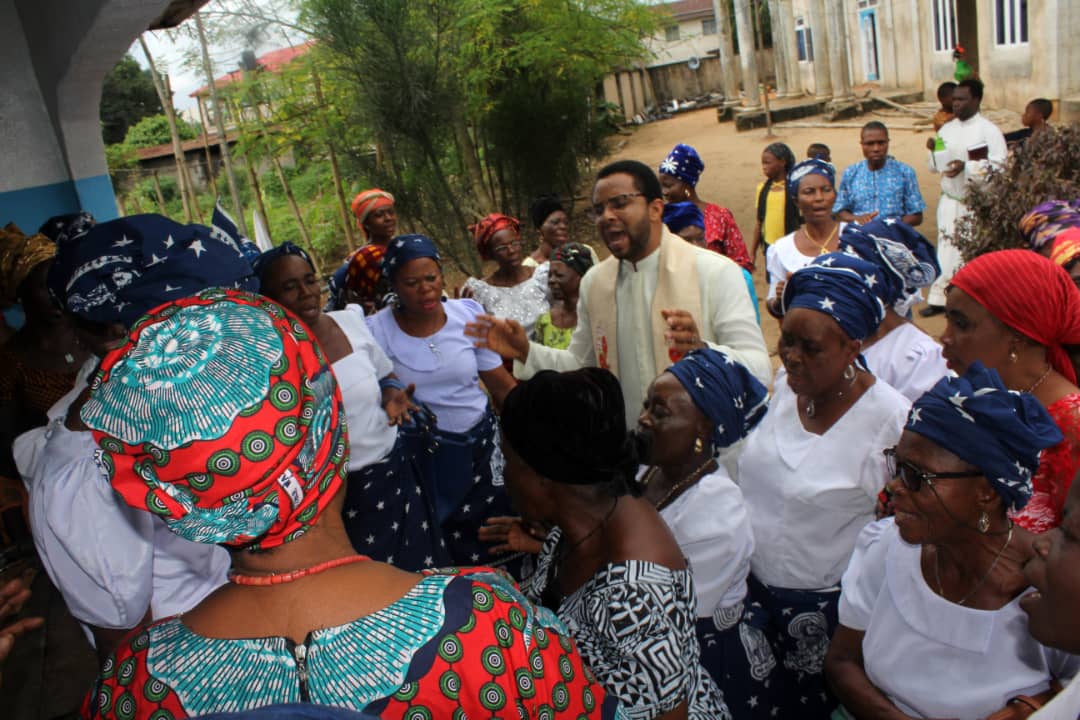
(223, 141)
(170, 115)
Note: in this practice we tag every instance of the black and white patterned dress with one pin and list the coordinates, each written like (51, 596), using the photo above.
(634, 623)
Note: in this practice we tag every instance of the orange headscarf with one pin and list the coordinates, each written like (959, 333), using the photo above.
(369, 201)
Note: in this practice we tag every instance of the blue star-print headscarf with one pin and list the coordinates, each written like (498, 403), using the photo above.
(725, 391)
(978, 419)
(119, 270)
(285, 249)
(404, 248)
(841, 286)
(813, 166)
(906, 259)
(684, 163)
(681, 215)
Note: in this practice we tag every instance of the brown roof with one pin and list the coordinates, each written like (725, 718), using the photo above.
(687, 9)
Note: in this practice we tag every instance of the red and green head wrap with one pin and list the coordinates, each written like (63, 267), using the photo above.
(222, 416)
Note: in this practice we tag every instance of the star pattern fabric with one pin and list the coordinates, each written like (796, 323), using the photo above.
(907, 261)
(121, 269)
(725, 392)
(841, 286)
(982, 422)
(404, 248)
(684, 163)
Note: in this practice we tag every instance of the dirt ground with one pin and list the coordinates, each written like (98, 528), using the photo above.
(733, 169)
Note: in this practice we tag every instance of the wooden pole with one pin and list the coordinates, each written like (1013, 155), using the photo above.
(205, 121)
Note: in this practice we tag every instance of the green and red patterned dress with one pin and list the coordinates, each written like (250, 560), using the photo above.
(458, 644)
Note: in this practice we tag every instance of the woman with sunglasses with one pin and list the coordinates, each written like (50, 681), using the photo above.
(810, 472)
(512, 290)
(930, 620)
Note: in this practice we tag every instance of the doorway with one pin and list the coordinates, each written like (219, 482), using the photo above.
(868, 40)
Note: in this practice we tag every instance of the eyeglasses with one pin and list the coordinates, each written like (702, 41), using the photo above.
(913, 476)
(615, 204)
(503, 249)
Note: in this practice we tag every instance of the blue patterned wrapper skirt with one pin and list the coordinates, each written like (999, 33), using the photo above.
(390, 517)
(737, 653)
(799, 625)
(462, 472)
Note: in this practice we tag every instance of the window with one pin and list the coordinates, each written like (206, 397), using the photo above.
(1010, 22)
(708, 26)
(804, 41)
(863, 4)
(671, 33)
(944, 25)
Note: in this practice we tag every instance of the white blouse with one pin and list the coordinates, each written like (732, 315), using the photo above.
(908, 359)
(523, 302)
(782, 258)
(371, 436)
(712, 527)
(110, 561)
(809, 495)
(931, 657)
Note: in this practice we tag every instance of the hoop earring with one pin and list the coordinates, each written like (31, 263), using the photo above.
(984, 523)
(849, 373)
(698, 445)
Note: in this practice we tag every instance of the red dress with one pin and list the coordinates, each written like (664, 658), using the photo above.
(455, 645)
(1057, 466)
(722, 236)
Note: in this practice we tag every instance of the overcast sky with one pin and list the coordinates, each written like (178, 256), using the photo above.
(173, 51)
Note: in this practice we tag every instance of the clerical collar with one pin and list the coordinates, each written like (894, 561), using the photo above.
(645, 263)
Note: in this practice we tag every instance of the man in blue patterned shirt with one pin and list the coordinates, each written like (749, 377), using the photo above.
(880, 185)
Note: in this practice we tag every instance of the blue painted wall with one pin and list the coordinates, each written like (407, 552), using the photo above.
(29, 207)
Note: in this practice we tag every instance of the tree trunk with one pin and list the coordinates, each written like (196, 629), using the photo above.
(335, 171)
(160, 195)
(294, 207)
(205, 121)
(482, 201)
(193, 193)
(223, 143)
(170, 116)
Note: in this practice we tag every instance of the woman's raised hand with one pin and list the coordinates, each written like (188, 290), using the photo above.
(501, 335)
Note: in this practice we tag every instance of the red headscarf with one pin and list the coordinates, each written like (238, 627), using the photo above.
(1030, 294)
(221, 415)
(365, 271)
(484, 230)
(368, 202)
(1066, 247)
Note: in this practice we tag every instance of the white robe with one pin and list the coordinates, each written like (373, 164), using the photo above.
(725, 304)
(959, 136)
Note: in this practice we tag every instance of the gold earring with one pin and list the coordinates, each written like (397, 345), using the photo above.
(1012, 356)
(698, 445)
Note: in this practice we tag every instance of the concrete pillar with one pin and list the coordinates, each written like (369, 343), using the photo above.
(819, 29)
(780, 66)
(838, 51)
(52, 64)
(729, 72)
(744, 25)
(787, 20)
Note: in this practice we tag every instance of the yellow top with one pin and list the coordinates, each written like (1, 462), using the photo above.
(773, 227)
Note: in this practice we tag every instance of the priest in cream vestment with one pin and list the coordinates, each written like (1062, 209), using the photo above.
(655, 298)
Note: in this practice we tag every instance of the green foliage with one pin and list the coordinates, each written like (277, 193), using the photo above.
(120, 159)
(127, 96)
(154, 130)
(473, 105)
(1047, 168)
